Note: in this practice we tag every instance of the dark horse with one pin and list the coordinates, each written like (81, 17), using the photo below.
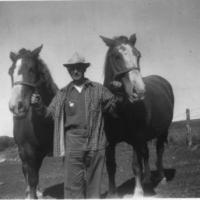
(33, 135)
(147, 114)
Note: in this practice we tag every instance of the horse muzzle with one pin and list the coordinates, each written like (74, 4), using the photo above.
(19, 109)
(136, 95)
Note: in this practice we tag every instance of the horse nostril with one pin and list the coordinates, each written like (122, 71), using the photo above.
(20, 105)
(11, 107)
(141, 94)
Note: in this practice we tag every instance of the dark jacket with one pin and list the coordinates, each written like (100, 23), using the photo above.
(98, 100)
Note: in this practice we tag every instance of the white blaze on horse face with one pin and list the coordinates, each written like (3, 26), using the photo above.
(16, 92)
(129, 58)
(17, 89)
(16, 75)
(130, 61)
(137, 83)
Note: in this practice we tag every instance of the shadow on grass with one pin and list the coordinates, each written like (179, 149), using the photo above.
(128, 186)
(57, 191)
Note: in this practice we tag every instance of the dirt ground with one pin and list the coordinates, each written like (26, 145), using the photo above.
(182, 168)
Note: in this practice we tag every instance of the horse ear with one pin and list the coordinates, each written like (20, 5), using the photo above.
(132, 39)
(36, 51)
(13, 56)
(109, 42)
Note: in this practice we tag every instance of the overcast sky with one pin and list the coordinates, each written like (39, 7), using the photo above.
(168, 36)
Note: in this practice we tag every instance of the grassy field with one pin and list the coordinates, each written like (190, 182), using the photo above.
(181, 169)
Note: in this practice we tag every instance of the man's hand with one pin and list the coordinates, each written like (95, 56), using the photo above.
(115, 85)
(36, 99)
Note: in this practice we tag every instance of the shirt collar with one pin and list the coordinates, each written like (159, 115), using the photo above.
(87, 83)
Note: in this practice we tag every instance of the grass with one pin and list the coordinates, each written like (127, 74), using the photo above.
(6, 142)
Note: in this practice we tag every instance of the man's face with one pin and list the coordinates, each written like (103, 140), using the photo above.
(76, 72)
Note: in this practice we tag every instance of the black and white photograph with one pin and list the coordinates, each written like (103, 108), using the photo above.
(99, 99)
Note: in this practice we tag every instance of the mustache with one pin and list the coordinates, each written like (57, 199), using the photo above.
(76, 73)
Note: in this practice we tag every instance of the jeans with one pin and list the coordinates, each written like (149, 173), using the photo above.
(83, 174)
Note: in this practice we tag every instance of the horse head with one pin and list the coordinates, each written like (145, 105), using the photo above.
(122, 63)
(24, 77)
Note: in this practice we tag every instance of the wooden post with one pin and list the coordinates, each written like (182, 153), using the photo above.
(188, 128)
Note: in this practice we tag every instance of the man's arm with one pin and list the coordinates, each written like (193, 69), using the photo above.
(41, 109)
(112, 103)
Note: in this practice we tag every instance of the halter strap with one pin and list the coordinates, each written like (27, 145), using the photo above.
(133, 68)
(25, 84)
(119, 74)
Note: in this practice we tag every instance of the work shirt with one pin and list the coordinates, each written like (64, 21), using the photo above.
(76, 132)
(98, 100)
(75, 116)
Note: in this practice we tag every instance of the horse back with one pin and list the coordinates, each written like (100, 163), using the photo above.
(159, 102)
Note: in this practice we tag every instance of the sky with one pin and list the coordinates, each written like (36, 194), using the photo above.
(168, 37)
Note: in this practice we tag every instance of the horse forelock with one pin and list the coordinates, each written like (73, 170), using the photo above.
(24, 52)
(121, 39)
(124, 40)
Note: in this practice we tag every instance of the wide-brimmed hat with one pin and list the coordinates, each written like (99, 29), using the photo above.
(77, 59)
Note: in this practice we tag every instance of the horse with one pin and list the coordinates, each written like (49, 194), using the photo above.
(146, 114)
(32, 134)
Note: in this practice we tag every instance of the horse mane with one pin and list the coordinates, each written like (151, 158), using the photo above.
(46, 78)
(45, 84)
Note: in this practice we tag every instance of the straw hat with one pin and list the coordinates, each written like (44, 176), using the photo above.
(77, 59)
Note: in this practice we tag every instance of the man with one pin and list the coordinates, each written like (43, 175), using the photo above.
(77, 111)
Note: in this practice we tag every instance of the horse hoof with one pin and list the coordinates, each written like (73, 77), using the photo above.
(29, 197)
(112, 196)
(39, 194)
(138, 193)
(163, 181)
(128, 196)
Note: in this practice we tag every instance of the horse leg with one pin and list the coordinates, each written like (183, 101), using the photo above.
(30, 168)
(147, 172)
(137, 171)
(39, 163)
(31, 177)
(159, 151)
(111, 168)
(146, 181)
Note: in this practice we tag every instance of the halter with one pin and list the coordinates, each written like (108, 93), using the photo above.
(31, 85)
(126, 71)
(133, 68)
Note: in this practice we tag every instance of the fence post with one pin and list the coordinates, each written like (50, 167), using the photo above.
(188, 128)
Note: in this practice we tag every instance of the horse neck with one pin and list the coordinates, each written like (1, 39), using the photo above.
(45, 85)
(47, 93)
